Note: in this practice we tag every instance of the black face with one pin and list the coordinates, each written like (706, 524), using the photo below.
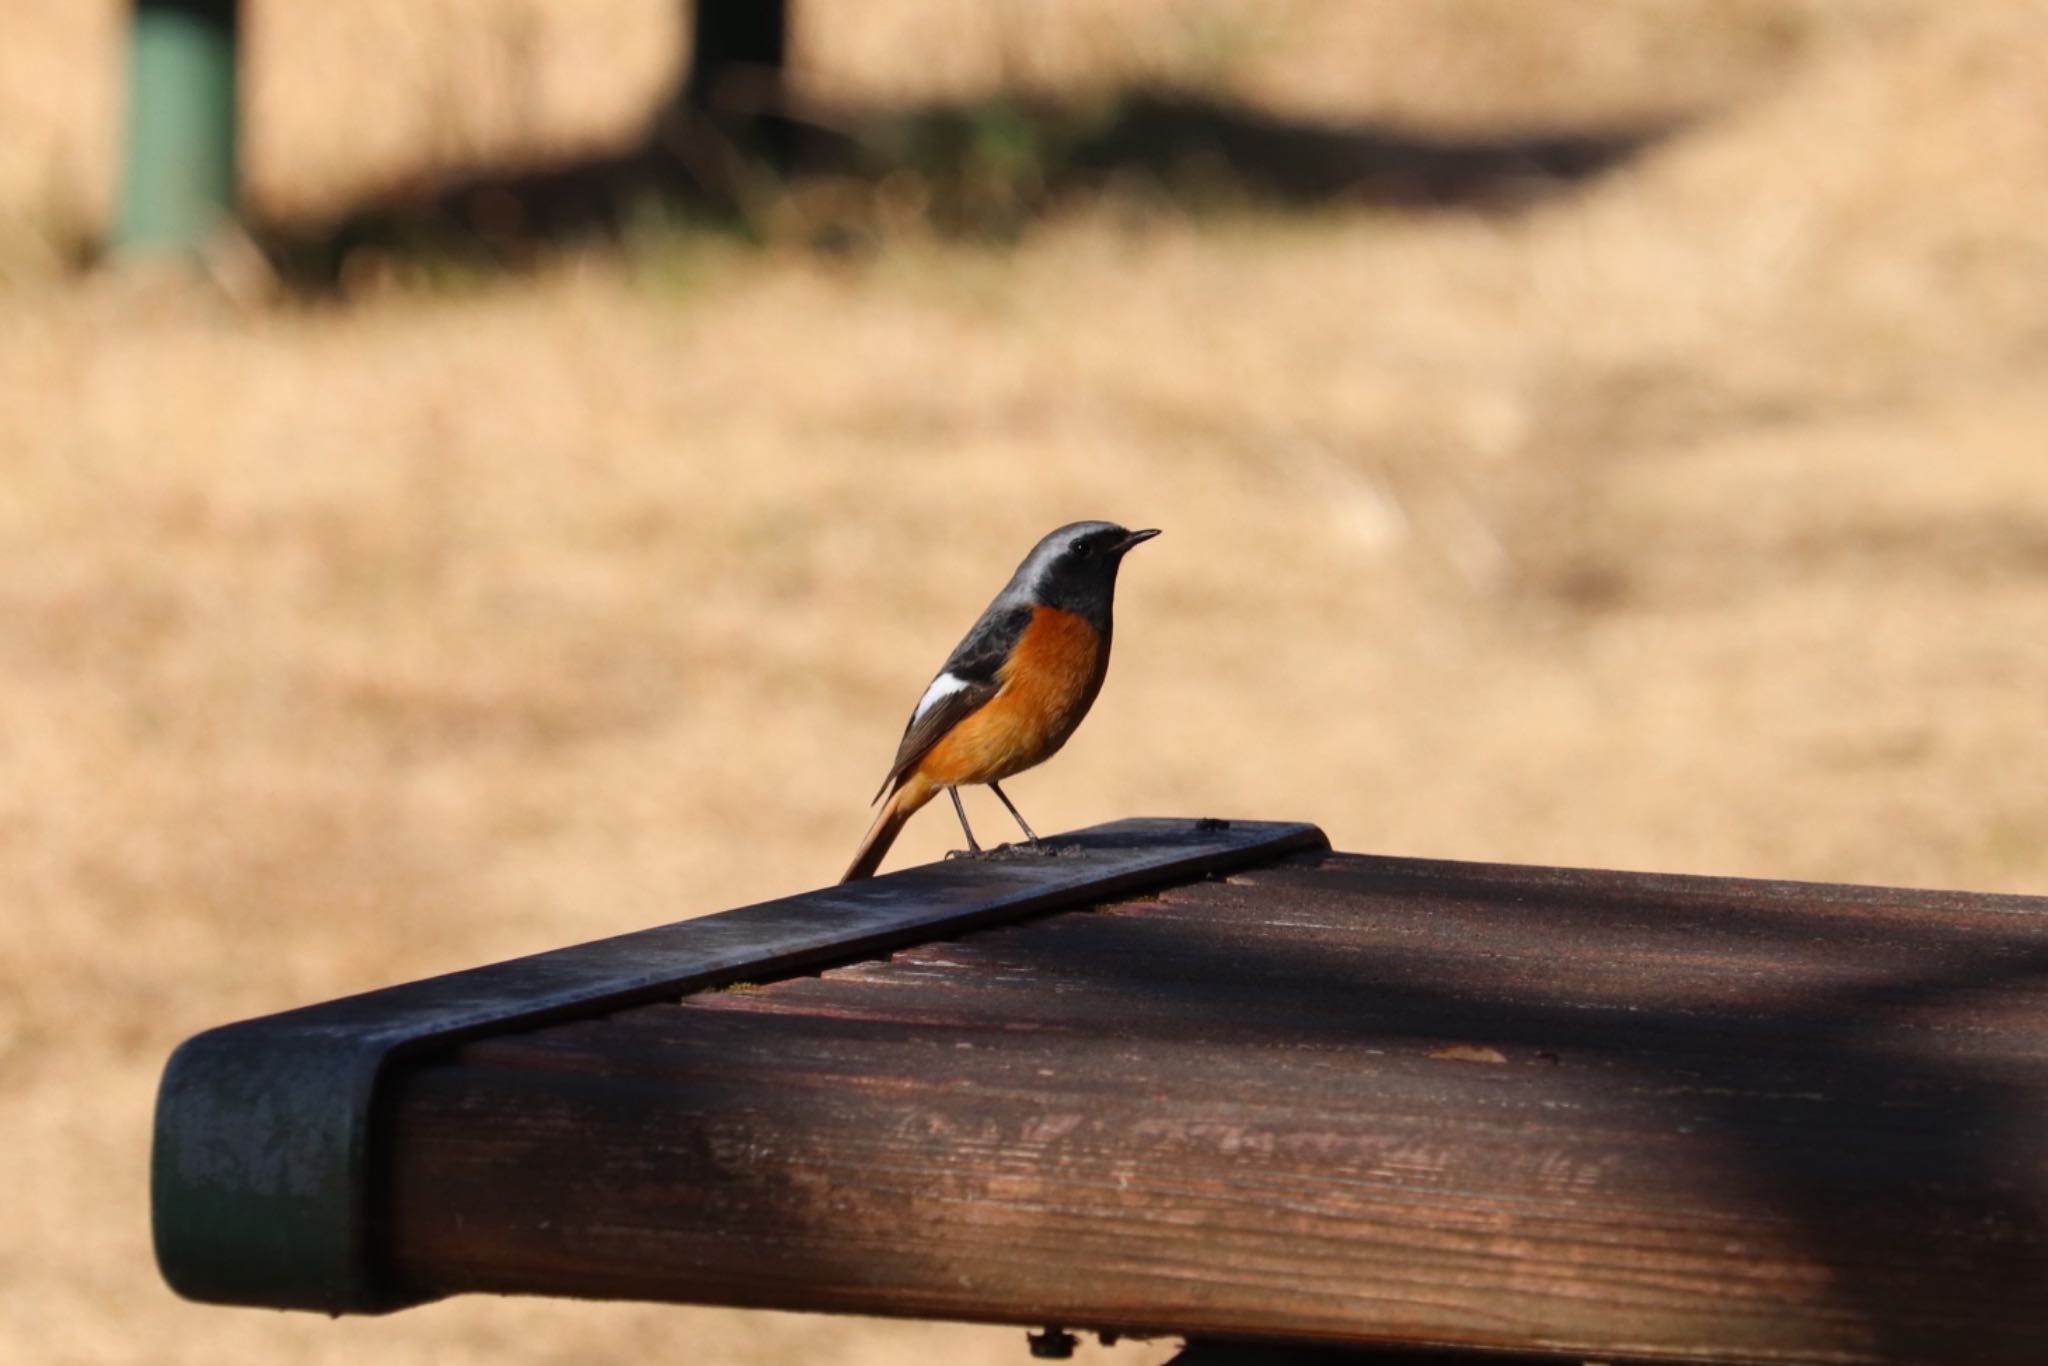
(1080, 575)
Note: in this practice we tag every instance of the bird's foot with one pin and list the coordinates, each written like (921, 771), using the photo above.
(1021, 852)
(1015, 853)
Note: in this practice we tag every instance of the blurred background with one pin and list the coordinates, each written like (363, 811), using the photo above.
(1585, 433)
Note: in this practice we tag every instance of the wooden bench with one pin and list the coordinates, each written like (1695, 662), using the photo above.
(1195, 1079)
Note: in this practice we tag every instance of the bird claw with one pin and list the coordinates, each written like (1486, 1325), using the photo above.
(1007, 852)
(1024, 851)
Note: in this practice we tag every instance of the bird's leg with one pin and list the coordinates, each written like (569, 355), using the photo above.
(973, 849)
(1010, 806)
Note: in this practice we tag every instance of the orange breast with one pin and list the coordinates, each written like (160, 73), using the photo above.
(1047, 687)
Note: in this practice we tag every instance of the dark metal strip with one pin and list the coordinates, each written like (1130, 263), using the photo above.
(260, 1174)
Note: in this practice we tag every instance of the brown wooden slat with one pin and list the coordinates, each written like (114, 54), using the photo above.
(1729, 1121)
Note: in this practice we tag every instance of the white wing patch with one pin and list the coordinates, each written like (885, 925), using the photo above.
(944, 686)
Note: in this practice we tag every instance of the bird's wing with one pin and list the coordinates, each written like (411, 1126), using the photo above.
(964, 685)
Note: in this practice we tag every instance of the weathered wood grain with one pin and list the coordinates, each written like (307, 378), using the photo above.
(1344, 1099)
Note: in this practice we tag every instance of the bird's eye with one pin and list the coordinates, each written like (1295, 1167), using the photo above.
(1083, 549)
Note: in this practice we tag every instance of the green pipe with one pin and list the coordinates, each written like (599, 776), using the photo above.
(178, 176)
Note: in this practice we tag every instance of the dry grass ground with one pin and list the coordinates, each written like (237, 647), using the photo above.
(1697, 520)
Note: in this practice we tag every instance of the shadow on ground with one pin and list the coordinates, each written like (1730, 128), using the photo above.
(983, 170)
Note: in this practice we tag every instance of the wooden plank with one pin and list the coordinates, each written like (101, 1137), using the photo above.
(260, 1171)
(1342, 1100)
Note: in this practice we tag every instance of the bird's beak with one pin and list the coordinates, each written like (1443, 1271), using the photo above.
(1136, 538)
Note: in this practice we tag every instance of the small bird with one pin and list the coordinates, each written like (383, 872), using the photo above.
(1011, 693)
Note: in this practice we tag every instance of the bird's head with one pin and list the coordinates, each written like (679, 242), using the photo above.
(1075, 567)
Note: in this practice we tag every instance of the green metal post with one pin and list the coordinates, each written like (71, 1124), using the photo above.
(178, 177)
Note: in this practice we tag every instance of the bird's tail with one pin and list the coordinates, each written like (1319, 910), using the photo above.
(903, 803)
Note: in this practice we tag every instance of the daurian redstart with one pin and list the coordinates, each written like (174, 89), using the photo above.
(1012, 692)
